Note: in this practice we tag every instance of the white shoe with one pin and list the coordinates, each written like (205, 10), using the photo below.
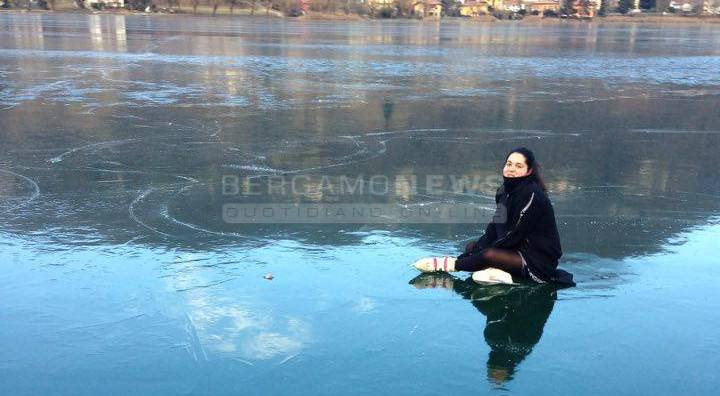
(492, 275)
(435, 264)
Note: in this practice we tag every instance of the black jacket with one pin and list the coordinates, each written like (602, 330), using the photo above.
(525, 221)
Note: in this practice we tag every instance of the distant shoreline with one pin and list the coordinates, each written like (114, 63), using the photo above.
(316, 16)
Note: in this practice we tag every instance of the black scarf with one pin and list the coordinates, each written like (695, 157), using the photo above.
(510, 183)
(504, 205)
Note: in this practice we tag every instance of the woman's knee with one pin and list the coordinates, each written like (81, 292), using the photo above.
(503, 259)
(490, 254)
(470, 246)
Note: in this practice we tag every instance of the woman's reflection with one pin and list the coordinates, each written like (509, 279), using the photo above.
(516, 315)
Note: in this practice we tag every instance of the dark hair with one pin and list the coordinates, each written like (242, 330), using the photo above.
(531, 164)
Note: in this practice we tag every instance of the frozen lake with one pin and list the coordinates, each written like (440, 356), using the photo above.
(120, 274)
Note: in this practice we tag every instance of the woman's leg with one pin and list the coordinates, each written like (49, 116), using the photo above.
(470, 246)
(506, 260)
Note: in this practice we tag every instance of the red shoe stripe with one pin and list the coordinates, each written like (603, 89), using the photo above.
(445, 263)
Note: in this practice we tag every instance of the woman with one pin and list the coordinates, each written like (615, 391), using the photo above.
(522, 239)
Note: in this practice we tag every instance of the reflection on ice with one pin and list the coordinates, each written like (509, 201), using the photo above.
(28, 190)
(515, 317)
(121, 274)
(221, 322)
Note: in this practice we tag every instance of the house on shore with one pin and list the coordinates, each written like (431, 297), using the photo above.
(542, 5)
(428, 9)
(304, 5)
(475, 8)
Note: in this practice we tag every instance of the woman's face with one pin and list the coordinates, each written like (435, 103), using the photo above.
(515, 166)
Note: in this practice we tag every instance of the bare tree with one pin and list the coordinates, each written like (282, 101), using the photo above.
(195, 6)
(232, 4)
(216, 4)
(406, 7)
(662, 5)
